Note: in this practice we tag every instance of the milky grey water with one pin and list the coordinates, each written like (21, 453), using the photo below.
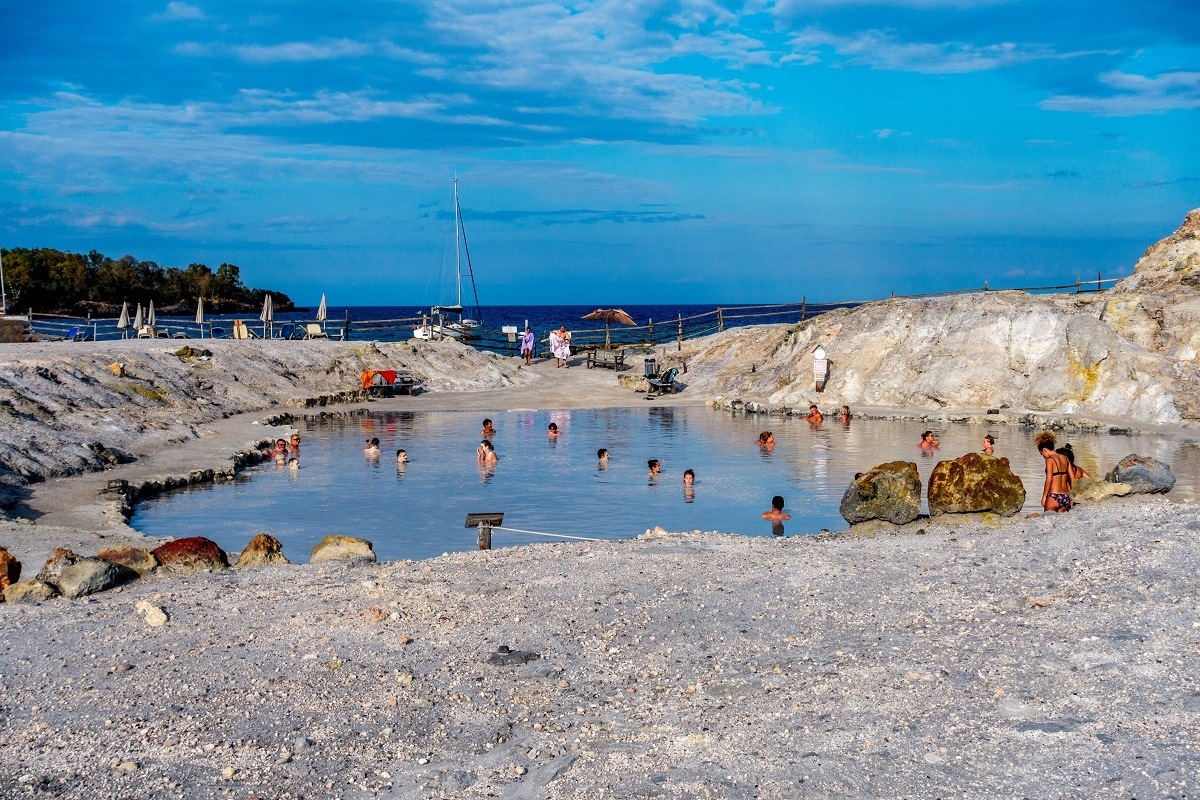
(555, 486)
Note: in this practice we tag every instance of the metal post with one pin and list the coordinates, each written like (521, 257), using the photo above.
(1077, 280)
(1099, 278)
(680, 330)
(650, 325)
(803, 306)
(3, 290)
(346, 327)
(720, 320)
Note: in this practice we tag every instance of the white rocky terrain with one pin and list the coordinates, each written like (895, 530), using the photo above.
(1130, 352)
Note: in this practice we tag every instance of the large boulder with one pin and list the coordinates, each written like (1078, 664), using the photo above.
(263, 550)
(335, 547)
(1085, 491)
(191, 554)
(60, 557)
(889, 492)
(975, 482)
(88, 576)
(134, 558)
(1142, 474)
(30, 591)
(10, 569)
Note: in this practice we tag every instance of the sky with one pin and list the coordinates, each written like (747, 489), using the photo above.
(612, 151)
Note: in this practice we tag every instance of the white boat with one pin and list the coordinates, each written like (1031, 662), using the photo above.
(448, 322)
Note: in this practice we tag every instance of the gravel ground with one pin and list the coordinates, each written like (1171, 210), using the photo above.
(1041, 658)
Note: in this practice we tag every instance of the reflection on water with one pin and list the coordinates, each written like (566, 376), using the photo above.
(543, 483)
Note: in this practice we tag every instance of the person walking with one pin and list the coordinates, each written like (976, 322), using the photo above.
(527, 345)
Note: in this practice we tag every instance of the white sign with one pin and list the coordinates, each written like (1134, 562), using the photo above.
(509, 329)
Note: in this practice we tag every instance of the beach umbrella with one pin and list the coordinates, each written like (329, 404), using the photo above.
(610, 315)
(137, 318)
(268, 314)
(150, 315)
(123, 320)
(322, 311)
(200, 315)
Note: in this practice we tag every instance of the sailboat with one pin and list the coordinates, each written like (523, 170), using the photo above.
(448, 321)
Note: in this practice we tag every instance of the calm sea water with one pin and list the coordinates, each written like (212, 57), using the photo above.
(556, 486)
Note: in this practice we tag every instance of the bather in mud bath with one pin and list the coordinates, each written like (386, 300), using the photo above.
(815, 417)
(1056, 493)
(766, 441)
(989, 445)
(929, 443)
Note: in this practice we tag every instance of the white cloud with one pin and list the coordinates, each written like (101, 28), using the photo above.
(1134, 95)
(884, 50)
(176, 11)
(325, 50)
(887, 133)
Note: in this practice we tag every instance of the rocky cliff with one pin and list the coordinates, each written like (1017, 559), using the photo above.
(1130, 352)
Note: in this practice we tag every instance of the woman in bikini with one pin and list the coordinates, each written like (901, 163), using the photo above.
(1076, 472)
(1056, 494)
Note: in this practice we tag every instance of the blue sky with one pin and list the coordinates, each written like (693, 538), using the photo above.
(615, 151)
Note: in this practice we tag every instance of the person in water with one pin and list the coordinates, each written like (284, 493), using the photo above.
(553, 431)
(929, 443)
(766, 441)
(527, 345)
(489, 430)
(989, 445)
(602, 458)
(372, 447)
(776, 513)
(655, 468)
(845, 416)
(689, 486)
(489, 455)
(1076, 472)
(814, 415)
(1056, 492)
(401, 456)
(689, 477)
(295, 441)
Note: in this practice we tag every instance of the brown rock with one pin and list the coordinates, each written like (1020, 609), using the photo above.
(889, 492)
(60, 557)
(975, 482)
(134, 558)
(263, 550)
(10, 569)
(191, 554)
(30, 591)
(335, 547)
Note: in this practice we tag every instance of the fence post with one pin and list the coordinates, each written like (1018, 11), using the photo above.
(803, 305)
(720, 320)
(485, 536)
(680, 330)
(1077, 280)
(346, 327)
(650, 325)
(985, 286)
(1099, 278)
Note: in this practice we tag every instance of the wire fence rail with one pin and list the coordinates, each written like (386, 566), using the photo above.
(654, 333)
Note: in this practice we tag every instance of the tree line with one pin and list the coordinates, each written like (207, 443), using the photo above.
(53, 281)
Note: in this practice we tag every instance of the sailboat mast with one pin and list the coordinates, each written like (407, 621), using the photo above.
(457, 248)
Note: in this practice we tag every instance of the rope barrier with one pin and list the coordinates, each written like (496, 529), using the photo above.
(551, 535)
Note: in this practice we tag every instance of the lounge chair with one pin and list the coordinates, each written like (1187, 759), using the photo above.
(286, 331)
(314, 331)
(72, 335)
(663, 384)
(240, 331)
(146, 332)
(216, 333)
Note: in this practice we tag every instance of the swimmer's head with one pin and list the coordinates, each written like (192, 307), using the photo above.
(777, 502)
(689, 477)
(402, 455)
(553, 428)
(602, 453)
(1044, 440)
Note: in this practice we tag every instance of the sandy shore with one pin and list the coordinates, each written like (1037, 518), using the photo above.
(966, 657)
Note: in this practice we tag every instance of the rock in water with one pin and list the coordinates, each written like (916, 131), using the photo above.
(60, 557)
(1085, 491)
(10, 569)
(335, 548)
(889, 492)
(88, 576)
(1143, 474)
(262, 551)
(191, 554)
(134, 558)
(975, 482)
(30, 591)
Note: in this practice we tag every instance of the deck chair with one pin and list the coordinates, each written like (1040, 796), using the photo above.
(72, 335)
(216, 333)
(286, 331)
(240, 331)
(314, 331)
(146, 332)
(664, 384)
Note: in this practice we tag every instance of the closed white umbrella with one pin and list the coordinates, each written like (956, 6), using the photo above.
(150, 315)
(137, 318)
(123, 320)
(268, 314)
(200, 315)
(322, 312)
